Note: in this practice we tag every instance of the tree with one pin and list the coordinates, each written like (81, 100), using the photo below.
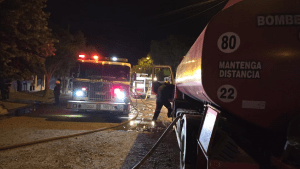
(170, 51)
(144, 65)
(25, 40)
(68, 48)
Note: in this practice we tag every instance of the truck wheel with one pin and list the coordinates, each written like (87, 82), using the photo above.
(184, 153)
(188, 141)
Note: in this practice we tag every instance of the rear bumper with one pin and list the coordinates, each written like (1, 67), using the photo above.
(94, 105)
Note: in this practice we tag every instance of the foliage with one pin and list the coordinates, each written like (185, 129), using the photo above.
(170, 51)
(25, 40)
(68, 47)
(144, 65)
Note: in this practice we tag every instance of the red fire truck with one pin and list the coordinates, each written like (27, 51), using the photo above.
(237, 89)
(101, 84)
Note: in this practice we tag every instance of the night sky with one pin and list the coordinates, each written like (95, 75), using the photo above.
(125, 28)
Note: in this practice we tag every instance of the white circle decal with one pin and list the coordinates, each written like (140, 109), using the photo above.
(229, 42)
(227, 93)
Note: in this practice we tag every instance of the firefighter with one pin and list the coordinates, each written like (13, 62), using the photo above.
(164, 93)
(2, 87)
(6, 88)
(57, 92)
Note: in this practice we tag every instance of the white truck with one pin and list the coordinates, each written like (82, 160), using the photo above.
(142, 85)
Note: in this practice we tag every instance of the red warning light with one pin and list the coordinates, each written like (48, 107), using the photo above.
(82, 56)
(96, 57)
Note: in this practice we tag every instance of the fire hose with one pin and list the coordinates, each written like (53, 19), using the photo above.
(97, 130)
(138, 165)
(68, 136)
(73, 135)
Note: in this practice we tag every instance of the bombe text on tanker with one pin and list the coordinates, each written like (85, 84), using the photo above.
(278, 20)
(240, 69)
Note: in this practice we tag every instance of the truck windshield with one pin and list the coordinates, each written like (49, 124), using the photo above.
(105, 72)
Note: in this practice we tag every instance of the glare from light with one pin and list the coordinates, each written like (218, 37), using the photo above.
(155, 79)
(79, 93)
(83, 89)
(81, 56)
(131, 123)
(96, 57)
(148, 57)
(79, 115)
(152, 123)
(117, 90)
(131, 116)
(120, 94)
(114, 58)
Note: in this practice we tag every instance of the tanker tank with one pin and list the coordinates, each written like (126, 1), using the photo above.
(246, 62)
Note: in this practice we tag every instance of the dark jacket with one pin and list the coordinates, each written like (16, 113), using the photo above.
(2, 83)
(165, 92)
(56, 90)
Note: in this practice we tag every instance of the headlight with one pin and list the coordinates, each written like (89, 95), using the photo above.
(79, 93)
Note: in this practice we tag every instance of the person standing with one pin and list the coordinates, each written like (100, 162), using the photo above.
(164, 93)
(6, 88)
(57, 92)
(2, 88)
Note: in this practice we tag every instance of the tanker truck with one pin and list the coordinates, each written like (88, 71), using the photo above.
(237, 89)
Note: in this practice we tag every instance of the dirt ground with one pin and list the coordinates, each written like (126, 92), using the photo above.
(122, 147)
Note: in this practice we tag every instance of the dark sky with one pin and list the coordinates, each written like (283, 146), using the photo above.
(125, 28)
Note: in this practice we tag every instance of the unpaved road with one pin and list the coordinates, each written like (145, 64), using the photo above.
(120, 147)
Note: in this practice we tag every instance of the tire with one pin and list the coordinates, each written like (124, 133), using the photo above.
(182, 151)
(188, 145)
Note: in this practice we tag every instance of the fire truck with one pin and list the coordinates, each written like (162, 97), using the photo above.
(236, 98)
(101, 84)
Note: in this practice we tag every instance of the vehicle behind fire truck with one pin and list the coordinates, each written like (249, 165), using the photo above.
(142, 85)
(101, 84)
(237, 89)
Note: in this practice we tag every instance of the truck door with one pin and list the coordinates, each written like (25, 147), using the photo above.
(160, 74)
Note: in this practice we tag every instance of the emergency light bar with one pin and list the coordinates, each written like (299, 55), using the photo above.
(97, 58)
(115, 59)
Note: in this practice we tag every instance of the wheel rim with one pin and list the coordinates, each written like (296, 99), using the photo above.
(183, 148)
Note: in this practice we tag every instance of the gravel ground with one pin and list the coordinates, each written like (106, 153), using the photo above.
(122, 147)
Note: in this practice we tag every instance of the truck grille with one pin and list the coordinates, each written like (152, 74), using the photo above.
(99, 92)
